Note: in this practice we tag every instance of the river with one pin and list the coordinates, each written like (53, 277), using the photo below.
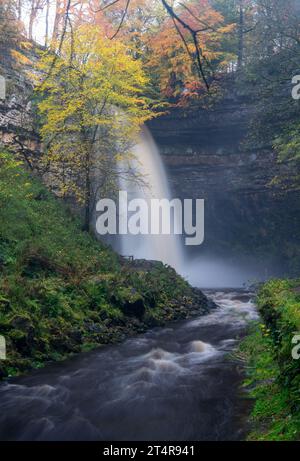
(171, 384)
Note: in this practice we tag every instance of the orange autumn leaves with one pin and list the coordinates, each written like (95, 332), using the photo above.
(172, 55)
(165, 47)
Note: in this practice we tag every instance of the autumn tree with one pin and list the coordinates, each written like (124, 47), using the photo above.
(11, 40)
(36, 6)
(62, 7)
(140, 23)
(8, 23)
(194, 25)
(92, 110)
(184, 50)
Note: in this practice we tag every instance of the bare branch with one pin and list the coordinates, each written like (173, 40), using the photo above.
(176, 21)
(195, 39)
(122, 20)
(183, 39)
(67, 21)
(105, 7)
(207, 26)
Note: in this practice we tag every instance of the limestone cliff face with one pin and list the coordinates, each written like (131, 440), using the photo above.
(17, 130)
(247, 213)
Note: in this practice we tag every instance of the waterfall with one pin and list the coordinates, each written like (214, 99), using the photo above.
(148, 164)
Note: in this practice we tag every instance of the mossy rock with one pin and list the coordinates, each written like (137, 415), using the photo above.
(22, 322)
(22, 343)
(131, 302)
(135, 308)
(4, 304)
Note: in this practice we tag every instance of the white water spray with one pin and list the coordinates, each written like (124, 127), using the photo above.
(149, 166)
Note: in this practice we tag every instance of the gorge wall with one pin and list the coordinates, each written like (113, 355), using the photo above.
(248, 215)
(17, 120)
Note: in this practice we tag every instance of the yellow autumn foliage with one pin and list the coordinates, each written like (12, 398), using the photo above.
(92, 106)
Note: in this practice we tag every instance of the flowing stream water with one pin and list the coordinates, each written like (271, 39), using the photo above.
(175, 383)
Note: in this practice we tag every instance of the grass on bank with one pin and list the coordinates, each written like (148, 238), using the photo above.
(273, 376)
(61, 291)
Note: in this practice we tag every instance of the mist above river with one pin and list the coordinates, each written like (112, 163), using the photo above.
(215, 272)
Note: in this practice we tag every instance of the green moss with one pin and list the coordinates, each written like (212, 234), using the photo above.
(279, 304)
(272, 373)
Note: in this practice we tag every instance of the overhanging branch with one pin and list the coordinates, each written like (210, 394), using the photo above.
(194, 36)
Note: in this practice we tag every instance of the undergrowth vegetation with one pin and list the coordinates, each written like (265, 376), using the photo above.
(61, 291)
(273, 373)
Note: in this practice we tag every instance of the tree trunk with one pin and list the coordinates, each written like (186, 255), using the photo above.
(61, 9)
(19, 10)
(47, 23)
(57, 20)
(31, 22)
(87, 205)
(241, 36)
(87, 171)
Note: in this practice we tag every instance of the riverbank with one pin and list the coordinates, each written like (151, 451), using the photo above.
(61, 291)
(273, 374)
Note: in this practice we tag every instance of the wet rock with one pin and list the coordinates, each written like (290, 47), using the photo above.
(103, 315)
(131, 302)
(242, 297)
(3, 372)
(24, 324)
(76, 336)
(94, 327)
(210, 305)
(134, 308)
(108, 322)
(4, 304)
